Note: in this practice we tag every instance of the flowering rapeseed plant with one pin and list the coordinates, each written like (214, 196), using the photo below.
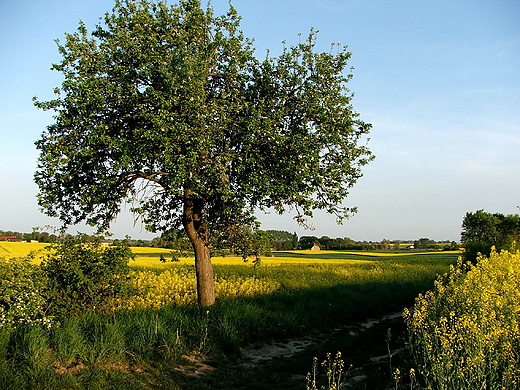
(177, 286)
(465, 334)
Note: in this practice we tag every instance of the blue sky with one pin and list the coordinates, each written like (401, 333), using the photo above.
(439, 80)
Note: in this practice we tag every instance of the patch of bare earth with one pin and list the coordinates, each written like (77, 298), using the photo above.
(72, 368)
(197, 365)
(75, 367)
(253, 356)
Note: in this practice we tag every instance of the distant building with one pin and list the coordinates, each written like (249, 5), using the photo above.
(11, 239)
(315, 247)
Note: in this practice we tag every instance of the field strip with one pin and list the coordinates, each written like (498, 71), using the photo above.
(20, 249)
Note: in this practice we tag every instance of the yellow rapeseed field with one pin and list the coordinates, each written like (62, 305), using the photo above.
(20, 249)
(177, 286)
(154, 263)
(158, 283)
(143, 249)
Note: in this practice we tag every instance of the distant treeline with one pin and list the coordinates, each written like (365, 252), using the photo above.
(47, 237)
(327, 243)
(34, 236)
(278, 240)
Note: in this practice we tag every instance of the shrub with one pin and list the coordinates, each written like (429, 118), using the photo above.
(86, 276)
(465, 334)
(21, 300)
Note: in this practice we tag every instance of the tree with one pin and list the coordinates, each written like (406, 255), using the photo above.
(336, 244)
(167, 107)
(307, 242)
(324, 242)
(424, 243)
(282, 240)
(482, 230)
(384, 244)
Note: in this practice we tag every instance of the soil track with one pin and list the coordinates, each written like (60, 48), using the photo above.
(371, 349)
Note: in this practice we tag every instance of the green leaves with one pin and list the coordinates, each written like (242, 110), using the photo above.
(482, 230)
(160, 101)
(85, 277)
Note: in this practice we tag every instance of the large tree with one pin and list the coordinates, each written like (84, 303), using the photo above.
(167, 107)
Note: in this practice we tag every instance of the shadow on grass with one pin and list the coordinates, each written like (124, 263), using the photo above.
(324, 315)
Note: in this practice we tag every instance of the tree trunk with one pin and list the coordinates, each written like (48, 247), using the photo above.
(197, 231)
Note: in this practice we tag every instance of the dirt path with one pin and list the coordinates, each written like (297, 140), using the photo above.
(369, 348)
(253, 356)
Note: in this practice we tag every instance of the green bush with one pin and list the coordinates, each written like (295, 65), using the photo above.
(86, 276)
(21, 286)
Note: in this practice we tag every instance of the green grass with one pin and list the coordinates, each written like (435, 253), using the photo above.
(147, 349)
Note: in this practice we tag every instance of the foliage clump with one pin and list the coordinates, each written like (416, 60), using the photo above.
(482, 230)
(465, 334)
(85, 276)
(21, 299)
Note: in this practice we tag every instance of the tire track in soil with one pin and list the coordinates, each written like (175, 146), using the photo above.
(284, 365)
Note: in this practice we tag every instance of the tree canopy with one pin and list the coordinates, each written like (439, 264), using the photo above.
(167, 107)
(482, 230)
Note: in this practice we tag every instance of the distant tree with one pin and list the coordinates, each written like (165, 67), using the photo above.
(282, 240)
(337, 244)
(424, 243)
(351, 244)
(167, 107)
(453, 246)
(294, 242)
(257, 244)
(10, 233)
(397, 245)
(366, 245)
(384, 244)
(173, 239)
(306, 242)
(141, 243)
(482, 230)
(324, 242)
